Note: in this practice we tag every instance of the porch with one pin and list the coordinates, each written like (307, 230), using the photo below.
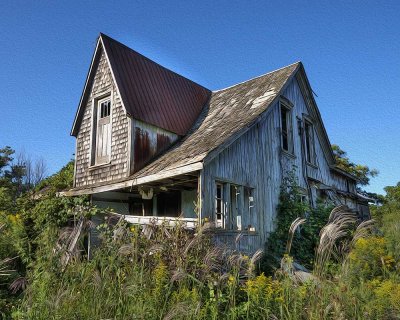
(168, 201)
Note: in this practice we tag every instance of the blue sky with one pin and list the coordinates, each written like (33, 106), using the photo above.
(350, 50)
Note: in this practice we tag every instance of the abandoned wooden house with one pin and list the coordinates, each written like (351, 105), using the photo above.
(157, 147)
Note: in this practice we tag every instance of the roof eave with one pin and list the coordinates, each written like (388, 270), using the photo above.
(130, 182)
(75, 129)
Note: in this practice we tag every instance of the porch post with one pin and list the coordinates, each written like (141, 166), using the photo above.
(200, 186)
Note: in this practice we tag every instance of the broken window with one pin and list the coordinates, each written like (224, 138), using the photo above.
(286, 128)
(233, 206)
(309, 142)
(219, 206)
(234, 214)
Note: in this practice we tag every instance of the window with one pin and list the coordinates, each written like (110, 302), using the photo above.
(219, 206)
(101, 150)
(286, 128)
(233, 206)
(234, 215)
(309, 142)
(169, 204)
(304, 199)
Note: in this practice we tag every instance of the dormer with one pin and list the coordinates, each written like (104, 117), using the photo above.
(131, 110)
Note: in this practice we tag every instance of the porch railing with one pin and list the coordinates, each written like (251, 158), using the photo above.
(189, 223)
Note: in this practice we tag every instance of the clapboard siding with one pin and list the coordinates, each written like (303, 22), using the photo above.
(118, 168)
(252, 161)
(256, 160)
(322, 172)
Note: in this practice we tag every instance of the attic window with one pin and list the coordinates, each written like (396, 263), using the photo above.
(101, 148)
(286, 126)
(105, 108)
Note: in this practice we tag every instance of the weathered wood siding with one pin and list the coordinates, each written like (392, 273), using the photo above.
(148, 141)
(118, 168)
(252, 161)
(321, 171)
(256, 160)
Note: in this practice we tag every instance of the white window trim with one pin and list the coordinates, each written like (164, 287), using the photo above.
(220, 223)
(232, 219)
(93, 138)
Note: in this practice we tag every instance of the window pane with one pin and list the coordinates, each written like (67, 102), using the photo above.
(219, 191)
(285, 144)
(105, 108)
(219, 205)
(308, 133)
(284, 120)
(285, 128)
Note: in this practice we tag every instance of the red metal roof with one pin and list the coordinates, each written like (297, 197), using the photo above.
(152, 93)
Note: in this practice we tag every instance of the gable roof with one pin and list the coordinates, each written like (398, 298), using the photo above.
(149, 92)
(228, 114)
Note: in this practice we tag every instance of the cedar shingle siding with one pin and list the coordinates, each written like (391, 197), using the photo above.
(103, 82)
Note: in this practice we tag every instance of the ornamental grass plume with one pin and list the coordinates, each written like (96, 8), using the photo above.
(293, 227)
(340, 221)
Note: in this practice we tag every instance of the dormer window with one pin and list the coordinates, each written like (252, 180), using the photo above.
(101, 149)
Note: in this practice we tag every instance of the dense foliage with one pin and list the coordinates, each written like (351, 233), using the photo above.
(305, 240)
(170, 273)
(362, 172)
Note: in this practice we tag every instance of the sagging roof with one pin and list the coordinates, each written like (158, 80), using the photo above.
(149, 91)
(228, 113)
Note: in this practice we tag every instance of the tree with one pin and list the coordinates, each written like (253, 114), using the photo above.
(18, 175)
(5, 157)
(362, 172)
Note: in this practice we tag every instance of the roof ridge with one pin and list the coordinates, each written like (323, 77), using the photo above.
(102, 35)
(273, 71)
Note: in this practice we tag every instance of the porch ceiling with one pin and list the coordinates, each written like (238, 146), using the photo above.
(177, 179)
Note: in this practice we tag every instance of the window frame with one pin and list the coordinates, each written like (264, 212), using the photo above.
(286, 106)
(232, 206)
(220, 222)
(309, 141)
(96, 112)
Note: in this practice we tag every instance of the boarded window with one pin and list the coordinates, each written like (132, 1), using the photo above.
(103, 131)
(309, 142)
(286, 128)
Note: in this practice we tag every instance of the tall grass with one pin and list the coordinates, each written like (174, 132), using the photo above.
(158, 272)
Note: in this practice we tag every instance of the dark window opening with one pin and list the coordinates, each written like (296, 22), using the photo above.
(140, 207)
(169, 204)
(286, 129)
(234, 214)
(309, 137)
(347, 185)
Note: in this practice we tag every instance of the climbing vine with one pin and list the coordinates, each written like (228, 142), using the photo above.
(305, 239)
